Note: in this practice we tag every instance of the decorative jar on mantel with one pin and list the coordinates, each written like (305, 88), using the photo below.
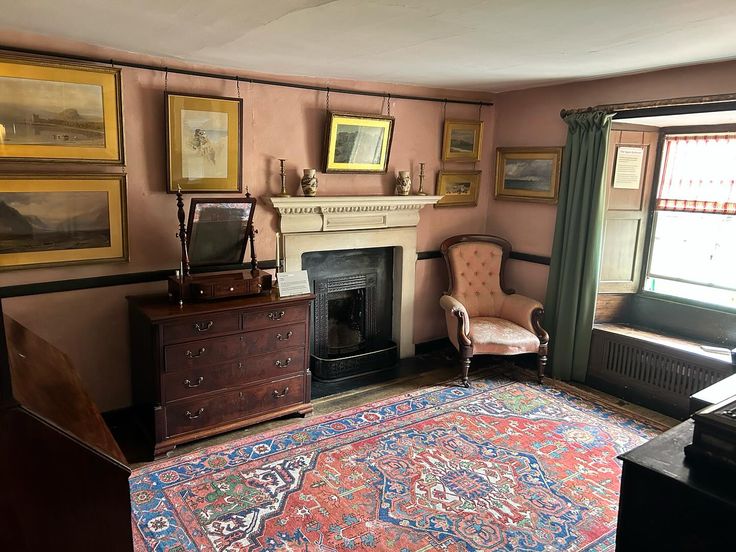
(403, 183)
(309, 182)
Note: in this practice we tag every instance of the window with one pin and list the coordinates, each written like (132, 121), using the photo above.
(693, 245)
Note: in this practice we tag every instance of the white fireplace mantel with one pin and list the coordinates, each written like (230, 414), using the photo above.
(354, 222)
(340, 213)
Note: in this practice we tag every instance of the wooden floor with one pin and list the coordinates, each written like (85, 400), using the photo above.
(423, 370)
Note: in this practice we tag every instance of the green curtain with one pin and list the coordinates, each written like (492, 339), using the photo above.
(576, 250)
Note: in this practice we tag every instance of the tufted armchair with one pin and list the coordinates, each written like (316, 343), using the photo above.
(483, 317)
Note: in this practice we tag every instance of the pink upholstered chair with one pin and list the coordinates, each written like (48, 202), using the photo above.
(483, 317)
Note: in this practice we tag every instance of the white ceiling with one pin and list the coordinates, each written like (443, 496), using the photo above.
(491, 45)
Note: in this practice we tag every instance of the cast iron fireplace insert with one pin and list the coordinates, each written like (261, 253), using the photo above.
(352, 313)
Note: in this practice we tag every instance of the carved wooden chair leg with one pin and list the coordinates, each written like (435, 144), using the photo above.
(541, 365)
(465, 369)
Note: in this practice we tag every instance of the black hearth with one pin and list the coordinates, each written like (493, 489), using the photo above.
(352, 314)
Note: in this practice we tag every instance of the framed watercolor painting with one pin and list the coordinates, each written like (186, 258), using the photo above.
(357, 143)
(528, 174)
(51, 220)
(59, 112)
(203, 143)
(462, 140)
(458, 188)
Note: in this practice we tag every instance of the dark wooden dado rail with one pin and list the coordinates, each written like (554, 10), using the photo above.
(125, 279)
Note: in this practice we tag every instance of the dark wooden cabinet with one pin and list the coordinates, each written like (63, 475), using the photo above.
(205, 368)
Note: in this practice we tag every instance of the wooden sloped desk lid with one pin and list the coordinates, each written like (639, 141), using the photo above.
(45, 382)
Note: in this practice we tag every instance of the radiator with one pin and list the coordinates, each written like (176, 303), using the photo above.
(656, 375)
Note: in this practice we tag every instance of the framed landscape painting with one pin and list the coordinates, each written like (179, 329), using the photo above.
(357, 143)
(47, 220)
(462, 140)
(528, 174)
(458, 188)
(204, 144)
(59, 112)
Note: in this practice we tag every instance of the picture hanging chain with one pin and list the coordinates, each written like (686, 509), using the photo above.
(480, 118)
(480, 109)
(444, 118)
(327, 100)
(237, 85)
(389, 105)
(166, 80)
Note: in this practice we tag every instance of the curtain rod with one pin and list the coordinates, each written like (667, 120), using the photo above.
(631, 106)
(213, 75)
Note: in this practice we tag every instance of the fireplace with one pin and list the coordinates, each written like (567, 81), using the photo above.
(345, 223)
(352, 312)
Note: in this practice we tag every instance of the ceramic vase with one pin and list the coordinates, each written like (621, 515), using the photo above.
(309, 182)
(403, 183)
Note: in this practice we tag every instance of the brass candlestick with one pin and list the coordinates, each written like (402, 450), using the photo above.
(283, 192)
(421, 180)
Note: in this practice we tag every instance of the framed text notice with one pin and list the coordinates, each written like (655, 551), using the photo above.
(628, 168)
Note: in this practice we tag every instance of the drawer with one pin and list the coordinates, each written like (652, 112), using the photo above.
(274, 395)
(196, 381)
(201, 327)
(275, 365)
(204, 412)
(267, 318)
(203, 352)
(211, 410)
(275, 339)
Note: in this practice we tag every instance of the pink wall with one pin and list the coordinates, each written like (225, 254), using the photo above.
(532, 118)
(91, 325)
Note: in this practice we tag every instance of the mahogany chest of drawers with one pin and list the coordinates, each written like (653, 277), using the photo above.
(205, 368)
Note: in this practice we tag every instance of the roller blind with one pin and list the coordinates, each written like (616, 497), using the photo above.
(698, 174)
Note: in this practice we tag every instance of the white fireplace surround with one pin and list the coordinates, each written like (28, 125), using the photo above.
(356, 222)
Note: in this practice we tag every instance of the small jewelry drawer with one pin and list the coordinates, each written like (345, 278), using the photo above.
(203, 352)
(266, 318)
(201, 327)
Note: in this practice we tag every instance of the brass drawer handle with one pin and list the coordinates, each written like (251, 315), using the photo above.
(284, 364)
(282, 394)
(190, 354)
(191, 385)
(276, 315)
(194, 416)
(203, 326)
(282, 338)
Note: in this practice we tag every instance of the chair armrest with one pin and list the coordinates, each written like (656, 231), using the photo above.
(456, 308)
(519, 309)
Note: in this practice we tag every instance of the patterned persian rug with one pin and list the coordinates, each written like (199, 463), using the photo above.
(500, 466)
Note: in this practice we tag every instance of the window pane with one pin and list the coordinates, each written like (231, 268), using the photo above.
(691, 253)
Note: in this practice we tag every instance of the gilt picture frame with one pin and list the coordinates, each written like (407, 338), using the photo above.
(53, 111)
(357, 143)
(462, 140)
(458, 188)
(203, 144)
(62, 220)
(528, 174)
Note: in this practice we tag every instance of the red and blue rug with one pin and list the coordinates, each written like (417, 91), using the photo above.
(500, 466)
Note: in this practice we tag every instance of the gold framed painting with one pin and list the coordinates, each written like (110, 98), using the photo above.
(59, 112)
(458, 188)
(462, 140)
(528, 174)
(52, 220)
(203, 144)
(357, 143)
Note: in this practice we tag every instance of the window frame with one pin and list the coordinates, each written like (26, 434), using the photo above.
(651, 217)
